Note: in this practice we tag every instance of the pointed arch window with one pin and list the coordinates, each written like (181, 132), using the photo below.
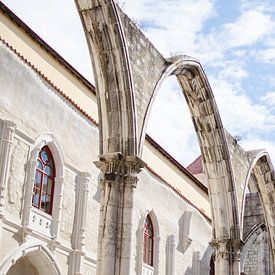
(43, 188)
(148, 251)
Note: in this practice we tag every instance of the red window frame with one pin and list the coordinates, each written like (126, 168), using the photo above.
(148, 248)
(43, 189)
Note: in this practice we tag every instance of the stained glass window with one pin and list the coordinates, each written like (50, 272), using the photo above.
(44, 181)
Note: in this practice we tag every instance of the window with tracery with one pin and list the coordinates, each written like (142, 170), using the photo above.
(148, 251)
(43, 188)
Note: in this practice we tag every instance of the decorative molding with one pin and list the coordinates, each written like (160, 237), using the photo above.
(34, 219)
(7, 129)
(40, 256)
(81, 190)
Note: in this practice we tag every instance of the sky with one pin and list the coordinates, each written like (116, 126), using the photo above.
(234, 40)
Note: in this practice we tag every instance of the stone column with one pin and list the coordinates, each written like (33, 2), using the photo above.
(227, 256)
(7, 129)
(116, 207)
(171, 250)
(82, 190)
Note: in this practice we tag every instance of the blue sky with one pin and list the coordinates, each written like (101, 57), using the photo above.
(234, 40)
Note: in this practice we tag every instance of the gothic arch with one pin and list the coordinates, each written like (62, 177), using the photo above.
(140, 232)
(206, 260)
(262, 168)
(40, 256)
(251, 237)
(50, 141)
(212, 140)
(118, 115)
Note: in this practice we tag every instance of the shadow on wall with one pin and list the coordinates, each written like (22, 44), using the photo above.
(98, 189)
(195, 269)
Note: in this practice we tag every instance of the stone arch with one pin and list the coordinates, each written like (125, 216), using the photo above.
(212, 140)
(50, 141)
(206, 259)
(120, 113)
(113, 76)
(251, 237)
(140, 232)
(262, 168)
(39, 255)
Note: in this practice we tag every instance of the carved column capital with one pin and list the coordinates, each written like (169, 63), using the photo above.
(116, 167)
(227, 248)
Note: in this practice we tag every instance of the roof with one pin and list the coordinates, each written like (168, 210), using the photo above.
(196, 166)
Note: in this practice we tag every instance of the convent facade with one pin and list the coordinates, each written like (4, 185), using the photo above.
(83, 190)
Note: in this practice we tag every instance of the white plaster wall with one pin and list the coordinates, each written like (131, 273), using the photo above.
(36, 108)
(153, 194)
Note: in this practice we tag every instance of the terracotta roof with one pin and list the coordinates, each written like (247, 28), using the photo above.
(196, 166)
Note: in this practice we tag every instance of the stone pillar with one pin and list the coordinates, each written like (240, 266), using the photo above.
(116, 207)
(196, 263)
(82, 190)
(227, 256)
(7, 129)
(171, 250)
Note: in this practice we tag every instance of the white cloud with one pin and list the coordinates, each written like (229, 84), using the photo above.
(251, 26)
(171, 25)
(265, 56)
(238, 112)
(252, 142)
(269, 99)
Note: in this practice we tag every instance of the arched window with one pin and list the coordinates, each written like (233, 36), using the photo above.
(148, 251)
(44, 181)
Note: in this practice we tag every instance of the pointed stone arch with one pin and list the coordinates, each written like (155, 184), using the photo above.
(214, 148)
(39, 255)
(140, 232)
(262, 169)
(125, 97)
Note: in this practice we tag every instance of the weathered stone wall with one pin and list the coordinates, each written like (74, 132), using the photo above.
(241, 164)
(258, 256)
(147, 65)
(258, 260)
(253, 212)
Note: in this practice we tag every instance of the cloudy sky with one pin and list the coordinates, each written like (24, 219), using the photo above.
(235, 41)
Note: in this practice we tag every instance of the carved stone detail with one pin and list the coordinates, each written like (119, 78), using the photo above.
(7, 129)
(81, 189)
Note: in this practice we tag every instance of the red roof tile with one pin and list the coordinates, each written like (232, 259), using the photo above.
(196, 166)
